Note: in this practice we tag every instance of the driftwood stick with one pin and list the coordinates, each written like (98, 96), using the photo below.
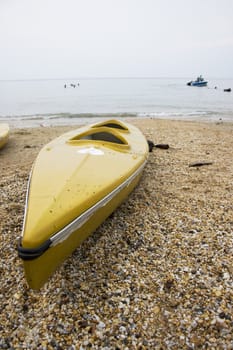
(159, 145)
(195, 164)
(162, 145)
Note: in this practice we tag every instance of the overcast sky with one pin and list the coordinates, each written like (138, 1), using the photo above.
(115, 38)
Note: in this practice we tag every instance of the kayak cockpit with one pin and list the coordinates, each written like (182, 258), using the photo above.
(100, 135)
(103, 136)
(114, 124)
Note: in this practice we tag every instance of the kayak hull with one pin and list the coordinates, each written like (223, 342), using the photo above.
(77, 181)
(4, 134)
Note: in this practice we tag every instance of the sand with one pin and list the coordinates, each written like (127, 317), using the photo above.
(157, 274)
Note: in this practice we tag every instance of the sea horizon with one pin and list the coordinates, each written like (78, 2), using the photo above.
(188, 77)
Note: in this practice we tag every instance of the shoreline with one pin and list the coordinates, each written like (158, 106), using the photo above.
(156, 275)
(69, 119)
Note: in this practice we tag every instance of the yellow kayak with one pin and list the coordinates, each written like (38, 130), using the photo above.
(4, 134)
(76, 182)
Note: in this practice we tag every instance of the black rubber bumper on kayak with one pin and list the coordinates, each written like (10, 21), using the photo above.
(32, 253)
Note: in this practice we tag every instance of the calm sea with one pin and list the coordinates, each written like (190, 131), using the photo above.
(31, 103)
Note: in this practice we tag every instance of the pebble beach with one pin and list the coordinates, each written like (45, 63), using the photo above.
(157, 274)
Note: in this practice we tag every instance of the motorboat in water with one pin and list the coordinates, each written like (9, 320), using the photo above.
(198, 82)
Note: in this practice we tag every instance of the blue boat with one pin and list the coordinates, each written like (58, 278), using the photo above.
(198, 82)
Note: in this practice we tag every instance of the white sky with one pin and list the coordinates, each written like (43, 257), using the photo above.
(115, 38)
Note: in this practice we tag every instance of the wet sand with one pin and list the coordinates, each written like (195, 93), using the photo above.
(157, 274)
